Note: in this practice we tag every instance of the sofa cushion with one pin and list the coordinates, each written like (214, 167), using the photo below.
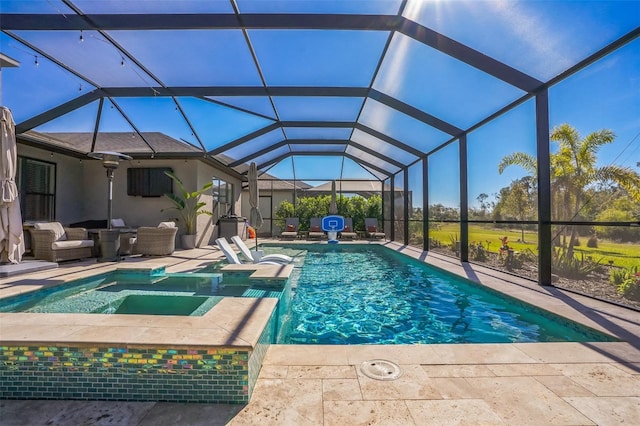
(56, 227)
(167, 225)
(118, 223)
(71, 244)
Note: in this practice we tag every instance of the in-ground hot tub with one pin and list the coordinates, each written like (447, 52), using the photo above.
(215, 357)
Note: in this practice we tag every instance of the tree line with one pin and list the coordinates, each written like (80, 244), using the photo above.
(580, 190)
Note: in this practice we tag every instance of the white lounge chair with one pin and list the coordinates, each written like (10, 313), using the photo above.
(231, 255)
(280, 258)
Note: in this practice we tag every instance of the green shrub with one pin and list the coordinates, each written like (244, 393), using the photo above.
(592, 242)
(356, 207)
(630, 289)
(415, 232)
(283, 211)
(572, 267)
(455, 243)
(627, 282)
(522, 257)
(477, 252)
(617, 275)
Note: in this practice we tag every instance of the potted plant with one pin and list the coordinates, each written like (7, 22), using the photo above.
(189, 207)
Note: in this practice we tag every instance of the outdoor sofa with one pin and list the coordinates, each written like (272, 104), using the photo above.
(54, 243)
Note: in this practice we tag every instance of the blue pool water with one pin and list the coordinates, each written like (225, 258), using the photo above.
(368, 294)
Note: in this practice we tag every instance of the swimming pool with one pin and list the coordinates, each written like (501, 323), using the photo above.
(369, 294)
(337, 294)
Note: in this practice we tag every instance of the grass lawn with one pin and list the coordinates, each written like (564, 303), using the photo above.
(622, 254)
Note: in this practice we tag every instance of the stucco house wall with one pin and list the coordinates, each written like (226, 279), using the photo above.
(82, 191)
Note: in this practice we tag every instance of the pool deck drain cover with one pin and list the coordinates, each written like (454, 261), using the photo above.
(381, 369)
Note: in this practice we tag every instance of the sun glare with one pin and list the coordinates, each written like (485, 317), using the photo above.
(414, 8)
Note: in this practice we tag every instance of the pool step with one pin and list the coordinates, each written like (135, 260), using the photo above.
(259, 293)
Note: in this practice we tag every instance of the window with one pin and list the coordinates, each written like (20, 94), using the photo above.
(36, 180)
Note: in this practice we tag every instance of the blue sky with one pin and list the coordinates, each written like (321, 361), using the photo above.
(539, 38)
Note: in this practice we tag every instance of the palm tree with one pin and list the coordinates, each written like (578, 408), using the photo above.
(573, 170)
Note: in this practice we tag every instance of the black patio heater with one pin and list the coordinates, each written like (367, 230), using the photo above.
(109, 239)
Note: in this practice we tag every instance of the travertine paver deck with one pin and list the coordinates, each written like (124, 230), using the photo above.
(498, 384)
(522, 383)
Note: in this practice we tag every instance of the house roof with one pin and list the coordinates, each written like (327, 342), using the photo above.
(267, 182)
(352, 186)
(281, 185)
(130, 142)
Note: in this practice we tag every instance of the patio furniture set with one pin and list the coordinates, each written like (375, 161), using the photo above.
(55, 243)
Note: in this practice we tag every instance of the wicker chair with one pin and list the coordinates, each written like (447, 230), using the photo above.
(54, 243)
(155, 241)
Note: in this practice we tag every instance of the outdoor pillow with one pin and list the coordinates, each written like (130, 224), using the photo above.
(118, 223)
(56, 227)
(315, 229)
(291, 228)
(347, 228)
(166, 225)
(372, 229)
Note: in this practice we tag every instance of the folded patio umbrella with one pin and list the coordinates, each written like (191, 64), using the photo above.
(255, 217)
(333, 207)
(11, 235)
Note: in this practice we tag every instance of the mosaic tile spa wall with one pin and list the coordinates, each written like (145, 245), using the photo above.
(221, 375)
(112, 373)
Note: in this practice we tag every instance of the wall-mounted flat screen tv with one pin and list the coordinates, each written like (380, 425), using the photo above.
(148, 181)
